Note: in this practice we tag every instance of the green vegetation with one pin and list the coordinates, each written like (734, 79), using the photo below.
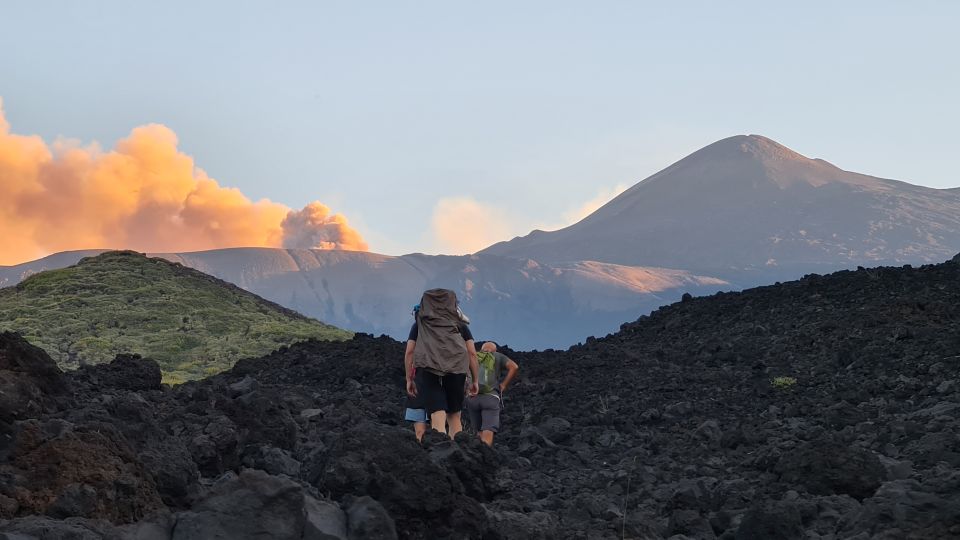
(192, 324)
(783, 382)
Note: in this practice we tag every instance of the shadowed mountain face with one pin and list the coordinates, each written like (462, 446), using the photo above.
(515, 301)
(748, 209)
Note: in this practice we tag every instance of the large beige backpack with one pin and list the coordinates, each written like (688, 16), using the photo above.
(440, 347)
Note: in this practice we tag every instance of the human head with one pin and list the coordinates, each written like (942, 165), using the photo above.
(489, 346)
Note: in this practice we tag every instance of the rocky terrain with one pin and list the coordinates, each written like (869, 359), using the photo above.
(819, 408)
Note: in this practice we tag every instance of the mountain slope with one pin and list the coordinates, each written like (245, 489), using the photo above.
(749, 204)
(122, 302)
(515, 301)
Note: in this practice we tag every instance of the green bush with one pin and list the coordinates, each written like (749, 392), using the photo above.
(783, 382)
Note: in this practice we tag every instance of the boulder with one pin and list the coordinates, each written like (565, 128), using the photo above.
(262, 417)
(828, 467)
(695, 494)
(709, 432)
(246, 385)
(157, 526)
(252, 504)
(272, 460)
(905, 505)
(779, 520)
(83, 471)
(416, 485)
(325, 520)
(215, 446)
(690, 523)
(30, 383)
(78, 500)
(556, 429)
(47, 528)
(367, 519)
(512, 525)
(124, 372)
(173, 469)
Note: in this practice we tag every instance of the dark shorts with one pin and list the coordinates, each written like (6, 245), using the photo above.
(484, 412)
(416, 402)
(441, 393)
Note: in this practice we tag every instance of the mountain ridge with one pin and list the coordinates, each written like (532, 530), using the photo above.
(749, 205)
(522, 302)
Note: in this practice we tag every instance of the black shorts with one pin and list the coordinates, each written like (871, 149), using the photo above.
(416, 402)
(441, 393)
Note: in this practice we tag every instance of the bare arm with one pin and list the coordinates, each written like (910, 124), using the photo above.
(512, 369)
(408, 367)
(474, 367)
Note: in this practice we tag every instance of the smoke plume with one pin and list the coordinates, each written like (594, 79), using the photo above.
(144, 195)
(316, 227)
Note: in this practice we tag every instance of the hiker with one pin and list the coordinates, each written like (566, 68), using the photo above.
(483, 409)
(415, 410)
(440, 351)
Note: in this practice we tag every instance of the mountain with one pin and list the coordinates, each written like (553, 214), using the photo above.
(122, 302)
(516, 301)
(741, 212)
(819, 408)
(748, 209)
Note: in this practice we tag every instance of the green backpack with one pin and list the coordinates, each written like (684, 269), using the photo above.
(487, 373)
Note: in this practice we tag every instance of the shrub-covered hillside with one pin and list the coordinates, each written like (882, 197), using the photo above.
(192, 324)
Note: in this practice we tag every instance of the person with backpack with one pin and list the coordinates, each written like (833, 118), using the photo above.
(483, 409)
(440, 351)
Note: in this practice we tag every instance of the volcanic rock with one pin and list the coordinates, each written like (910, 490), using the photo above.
(827, 467)
(368, 520)
(252, 504)
(820, 422)
(125, 372)
(30, 381)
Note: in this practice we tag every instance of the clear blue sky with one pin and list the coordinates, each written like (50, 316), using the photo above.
(381, 109)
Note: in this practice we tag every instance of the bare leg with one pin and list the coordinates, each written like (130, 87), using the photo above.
(419, 428)
(438, 420)
(455, 425)
(487, 437)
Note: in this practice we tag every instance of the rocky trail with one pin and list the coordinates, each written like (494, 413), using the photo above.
(821, 408)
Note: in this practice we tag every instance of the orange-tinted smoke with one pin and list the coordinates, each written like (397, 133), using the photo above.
(144, 195)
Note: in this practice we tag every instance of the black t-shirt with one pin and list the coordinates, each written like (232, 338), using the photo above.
(464, 332)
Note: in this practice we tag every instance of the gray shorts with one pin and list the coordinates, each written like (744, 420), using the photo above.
(484, 412)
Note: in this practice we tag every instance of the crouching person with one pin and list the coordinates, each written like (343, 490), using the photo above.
(495, 372)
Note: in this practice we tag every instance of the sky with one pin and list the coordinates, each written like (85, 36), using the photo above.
(442, 127)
